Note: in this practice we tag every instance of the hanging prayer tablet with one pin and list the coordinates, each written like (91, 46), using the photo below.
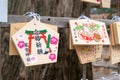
(36, 43)
(14, 27)
(116, 26)
(88, 32)
(88, 53)
(105, 3)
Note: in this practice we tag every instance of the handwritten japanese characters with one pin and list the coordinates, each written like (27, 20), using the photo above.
(114, 54)
(36, 43)
(88, 53)
(88, 32)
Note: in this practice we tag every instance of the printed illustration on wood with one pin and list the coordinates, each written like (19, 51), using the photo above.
(88, 54)
(88, 32)
(36, 43)
(92, 1)
(14, 27)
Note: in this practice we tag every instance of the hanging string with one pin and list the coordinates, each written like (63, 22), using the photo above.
(84, 65)
(33, 15)
(103, 78)
(82, 7)
(116, 18)
(83, 17)
(116, 74)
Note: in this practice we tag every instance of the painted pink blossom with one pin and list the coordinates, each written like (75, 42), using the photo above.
(52, 57)
(20, 44)
(53, 40)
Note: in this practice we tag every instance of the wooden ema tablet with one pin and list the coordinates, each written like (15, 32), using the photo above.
(88, 32)
(116, 27)
(14, 27)
(92, 1)
(115, 40)
(112, 34)
(105, 3)
(36, 43)
(87, 53)
(114, 54)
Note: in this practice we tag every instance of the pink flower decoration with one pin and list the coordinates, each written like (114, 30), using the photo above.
(53, 40)
(52, 57)
(20, 44)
